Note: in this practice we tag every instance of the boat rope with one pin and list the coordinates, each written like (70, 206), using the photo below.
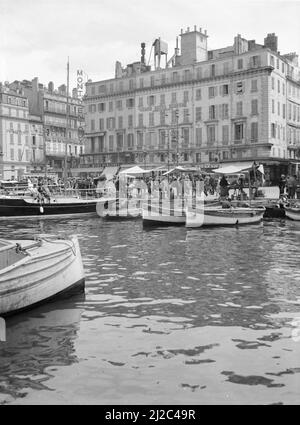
(59, 239)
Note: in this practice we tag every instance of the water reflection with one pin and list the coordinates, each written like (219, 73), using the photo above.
(169, 314)
(37, 343)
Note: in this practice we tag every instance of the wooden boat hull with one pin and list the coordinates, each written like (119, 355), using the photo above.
(223, 216)
(20, 207)
(39, 273)
(159, 216)
(292, 213)
(119, 209)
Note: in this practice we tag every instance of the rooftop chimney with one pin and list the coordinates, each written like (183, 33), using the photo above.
(271, 42)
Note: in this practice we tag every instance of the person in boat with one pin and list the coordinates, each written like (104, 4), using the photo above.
(282, 185)
(224, 190)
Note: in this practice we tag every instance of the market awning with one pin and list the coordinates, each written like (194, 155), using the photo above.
(234, 168)
(181, 170)
(110, 172)
(134, 171)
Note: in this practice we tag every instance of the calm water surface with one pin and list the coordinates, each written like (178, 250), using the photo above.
(169, 315)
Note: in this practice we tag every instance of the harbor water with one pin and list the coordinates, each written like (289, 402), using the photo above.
(169, 316)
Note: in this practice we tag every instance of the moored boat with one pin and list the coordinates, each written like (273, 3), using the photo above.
(34, 271)
(293, 212)
(156, 214)
(119, 209)
(218, 216)
(28, 206)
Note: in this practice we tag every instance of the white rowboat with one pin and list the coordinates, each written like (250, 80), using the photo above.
(33, 271)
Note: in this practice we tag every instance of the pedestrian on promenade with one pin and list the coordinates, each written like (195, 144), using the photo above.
(282, 184)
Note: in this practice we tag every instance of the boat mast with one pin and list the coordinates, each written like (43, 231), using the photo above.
(67, 127)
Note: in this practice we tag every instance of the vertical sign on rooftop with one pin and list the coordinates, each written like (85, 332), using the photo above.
(80, 83)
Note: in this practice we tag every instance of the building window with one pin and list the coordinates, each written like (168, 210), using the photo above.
(12, 154)
(163, 79)
(273, 83)
(225, 111)
(101, 124)
(140, 102)
(212, 112)
(282, 67)
(119, 104)
(225, 134)
(225, 89)
(151, 100)
(187, 75)
(141, 80)
(225, 154)
(273, 106)
(162, 118)
(211, 134)
(283, 110)
(131, 84)
(198, 157)
(239, 108)
(130, 121)
(254, 107)
(198, 136)
(212, 70)
(111, 142)
(185, 96)
(174, 97)
(162, 139)
(130, 141)
(198, 114)
(139, 140)
(120, 122)
(185, 136)
(186, 115)
(151, 118)
(254, 86)
(239, 87)
(278, 108)
(141, 120)
(110, 106)
(175, 77)
(225, 68)
(254, 61)
(198, 94)
(101, 107)
(240, 64)
(130, 103)
(254, 132)
(92, 125)
(211, 92)
(272, 61)
(238, 132)
(119, 141)
(199, 73)
(273, 130)
(162, 99)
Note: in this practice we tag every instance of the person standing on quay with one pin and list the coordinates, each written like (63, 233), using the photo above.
(282, 184)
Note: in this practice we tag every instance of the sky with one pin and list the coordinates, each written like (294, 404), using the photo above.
(38, 36)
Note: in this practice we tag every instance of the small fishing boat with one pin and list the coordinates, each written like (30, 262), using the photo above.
(119, 209)
(293, 212)
(27, 206)
(156, 214)
(34, 271)
(219, 216)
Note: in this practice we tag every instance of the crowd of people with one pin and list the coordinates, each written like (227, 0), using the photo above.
(288, 186)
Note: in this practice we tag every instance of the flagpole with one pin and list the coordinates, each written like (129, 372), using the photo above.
(67, 127)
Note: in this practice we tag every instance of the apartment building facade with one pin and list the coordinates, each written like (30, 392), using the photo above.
(50, 135)
(233, 104)
(15, 149)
